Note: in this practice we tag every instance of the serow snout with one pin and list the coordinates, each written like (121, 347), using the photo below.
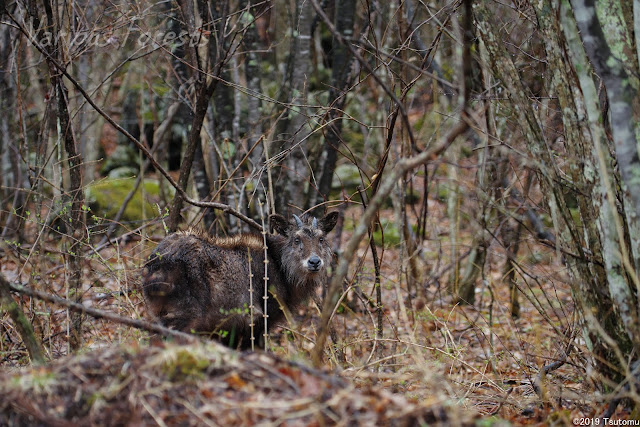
(314, 263)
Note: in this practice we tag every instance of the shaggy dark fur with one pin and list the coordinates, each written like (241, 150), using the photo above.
(198, 283)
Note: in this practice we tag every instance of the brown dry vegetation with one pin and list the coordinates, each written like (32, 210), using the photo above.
(440, 360)
(446, 132)
(201, 384)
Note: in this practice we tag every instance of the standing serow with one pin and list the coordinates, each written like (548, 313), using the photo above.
(201, 284)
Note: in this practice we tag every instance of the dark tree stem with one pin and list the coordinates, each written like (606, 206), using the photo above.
(220, 206)
(344, 19)
(101, 314)
(25, 329)
(620, 93)
(75, 220)
(403, 166)
(202, 101)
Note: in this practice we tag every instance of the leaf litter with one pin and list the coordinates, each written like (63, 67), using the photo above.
(202, 384)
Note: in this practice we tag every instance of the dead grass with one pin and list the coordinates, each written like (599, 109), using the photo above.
(438, 361)
(170, 384)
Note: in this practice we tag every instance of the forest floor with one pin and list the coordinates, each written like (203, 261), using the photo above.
(437, 361)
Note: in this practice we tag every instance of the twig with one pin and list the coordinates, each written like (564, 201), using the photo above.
(542, 233)
(376, 266)
(22, 324)
(158, 135)
(101, 314)
(365, 64)
(550, 368)
(361, 229)
(613, 405)
(220, 206)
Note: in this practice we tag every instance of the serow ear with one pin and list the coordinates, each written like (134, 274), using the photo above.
(279, 224)
(327, 222)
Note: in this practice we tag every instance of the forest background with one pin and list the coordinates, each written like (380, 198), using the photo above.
(483, 157)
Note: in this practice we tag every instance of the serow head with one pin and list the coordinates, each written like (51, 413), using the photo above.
(307, 250)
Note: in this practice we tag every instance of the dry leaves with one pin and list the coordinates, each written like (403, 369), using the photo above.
(170, 384)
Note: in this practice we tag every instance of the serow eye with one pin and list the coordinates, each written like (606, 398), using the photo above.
(297, 241)
(321, 240)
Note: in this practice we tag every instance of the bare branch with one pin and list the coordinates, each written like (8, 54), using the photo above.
(21, 322)
(365, 64)
(404, 165)
(101, 314)
(220, 206)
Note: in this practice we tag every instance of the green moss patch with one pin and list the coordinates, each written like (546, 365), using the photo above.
(105, 198)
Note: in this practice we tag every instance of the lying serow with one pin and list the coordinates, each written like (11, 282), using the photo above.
(201, 284)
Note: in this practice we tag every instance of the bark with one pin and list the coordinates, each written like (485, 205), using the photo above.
(179, 64)
(251, 44)
(201, 179)
(202, 101)
(204, 88)
(489, 186)
(636, 27)
(76, 227)
(341, 67)
(494, 176)
(89, 123)
(25, 329)
(12, 175)
(586, 285)
(619, 27)
(609, 223)
(466, 292)
(223, 142)
(75, 217)
(290, 188)
(465, 286)
(616, 63)
(511, 243)
(453, 214)
(203, 186)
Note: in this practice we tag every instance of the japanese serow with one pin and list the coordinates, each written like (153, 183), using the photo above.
(196, 283)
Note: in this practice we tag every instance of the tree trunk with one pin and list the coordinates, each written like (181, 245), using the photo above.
(204, 88)
(12, 174)
(90, 70)
(252, 72)
(8, 305)
(290, 189)
(340, 71)
(75, 217)
(202, 101)
(612, 245)
(615, 62)
(224, 146)
(588, 279)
